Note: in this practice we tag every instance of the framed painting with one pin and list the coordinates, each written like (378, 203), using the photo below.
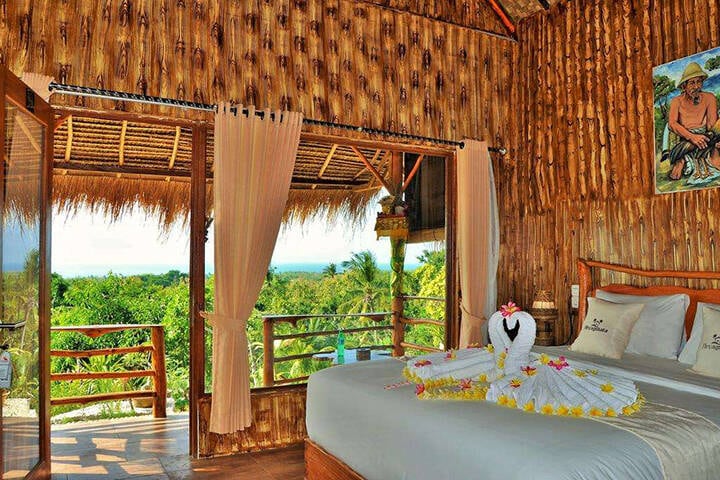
(687, 130)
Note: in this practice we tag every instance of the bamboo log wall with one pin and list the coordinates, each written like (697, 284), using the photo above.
(388, 66)
(278, 421)
(582, 182)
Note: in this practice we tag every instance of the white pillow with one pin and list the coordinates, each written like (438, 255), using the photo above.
(708, 355)
(659, 330)
(689, 353)
(606, 329)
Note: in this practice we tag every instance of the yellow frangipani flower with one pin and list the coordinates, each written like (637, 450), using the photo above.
(576, 411)
(596, 412)
(563, 410)
(529, 407)
(547, 409)
(544, 359)
(610, 412)
(489, 348)
(482, 378)
(502, 400)
(580, 373)
(607, 387)
(511, 403)
(628, 410)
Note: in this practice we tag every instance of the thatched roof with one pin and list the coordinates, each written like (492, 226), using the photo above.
(111, 165)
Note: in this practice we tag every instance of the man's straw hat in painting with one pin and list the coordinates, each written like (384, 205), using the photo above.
(693, 70)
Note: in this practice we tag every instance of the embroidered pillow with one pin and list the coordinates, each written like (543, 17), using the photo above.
(708, 355)
(689, 352)
(659, 330)
(607, 326)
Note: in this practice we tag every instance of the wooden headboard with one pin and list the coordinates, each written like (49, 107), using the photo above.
(585, 268)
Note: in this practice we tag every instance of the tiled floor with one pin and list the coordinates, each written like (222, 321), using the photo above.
(146, 448)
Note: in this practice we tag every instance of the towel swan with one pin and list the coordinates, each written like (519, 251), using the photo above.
(507, 373)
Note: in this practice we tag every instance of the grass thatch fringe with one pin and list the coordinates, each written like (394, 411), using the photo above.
(332, 205)
(169, 200)
(166, 200)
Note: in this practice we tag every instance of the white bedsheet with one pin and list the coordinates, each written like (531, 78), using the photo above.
(389, 434)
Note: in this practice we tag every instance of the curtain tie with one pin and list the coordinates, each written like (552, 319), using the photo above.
(223, 321)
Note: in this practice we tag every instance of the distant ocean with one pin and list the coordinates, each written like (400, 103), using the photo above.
(102, 270)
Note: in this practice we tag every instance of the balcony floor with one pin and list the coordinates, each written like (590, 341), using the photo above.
(147, 448)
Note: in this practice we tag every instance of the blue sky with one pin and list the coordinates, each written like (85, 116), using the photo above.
(87, 244)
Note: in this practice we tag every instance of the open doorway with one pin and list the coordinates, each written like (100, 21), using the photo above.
(120, 335)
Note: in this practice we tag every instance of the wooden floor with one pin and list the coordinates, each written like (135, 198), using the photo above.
(146, 448)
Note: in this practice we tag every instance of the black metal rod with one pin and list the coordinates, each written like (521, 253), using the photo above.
(206, 107)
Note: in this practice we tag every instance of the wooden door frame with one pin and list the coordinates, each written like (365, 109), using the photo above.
(14, 90)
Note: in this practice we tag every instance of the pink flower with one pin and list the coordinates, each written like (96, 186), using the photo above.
(559, 364)
(450, 355)
(465, 384)
(509, 309)
(422, 363)
(529, 371)
(419, 389)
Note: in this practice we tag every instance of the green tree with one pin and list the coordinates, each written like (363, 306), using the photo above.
(366, 287)
(330, 271)
(713, 63)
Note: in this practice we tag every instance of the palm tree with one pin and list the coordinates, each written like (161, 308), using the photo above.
(365, 285)
(330, 271)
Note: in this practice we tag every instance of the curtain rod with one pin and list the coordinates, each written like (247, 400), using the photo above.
(205, 107)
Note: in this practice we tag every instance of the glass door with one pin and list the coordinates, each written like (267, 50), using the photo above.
(25, 125)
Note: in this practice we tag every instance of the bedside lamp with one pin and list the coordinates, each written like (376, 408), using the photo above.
(545, 313)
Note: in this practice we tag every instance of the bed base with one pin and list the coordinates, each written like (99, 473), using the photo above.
(321, 465)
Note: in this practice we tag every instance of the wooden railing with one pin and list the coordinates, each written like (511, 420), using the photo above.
(399, 337)
(269, 337)
(157, 370)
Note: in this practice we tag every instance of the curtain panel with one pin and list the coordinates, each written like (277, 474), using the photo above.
(478, 240)
(254, 160)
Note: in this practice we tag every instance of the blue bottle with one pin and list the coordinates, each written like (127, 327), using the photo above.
(340, 348)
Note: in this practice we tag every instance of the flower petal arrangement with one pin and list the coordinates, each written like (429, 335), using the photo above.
(531, 383)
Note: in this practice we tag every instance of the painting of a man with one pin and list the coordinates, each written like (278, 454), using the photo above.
(688, 146)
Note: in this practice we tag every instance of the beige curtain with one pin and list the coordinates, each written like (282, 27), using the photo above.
(477, 239)
(254, 160)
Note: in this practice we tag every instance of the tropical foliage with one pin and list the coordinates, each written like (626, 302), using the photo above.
(361, 286)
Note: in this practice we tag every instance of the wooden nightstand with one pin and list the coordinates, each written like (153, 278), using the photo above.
(546, 319)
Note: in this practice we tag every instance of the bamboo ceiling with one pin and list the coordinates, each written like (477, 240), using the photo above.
(112, 164)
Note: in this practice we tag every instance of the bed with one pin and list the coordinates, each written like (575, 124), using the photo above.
(359, 429)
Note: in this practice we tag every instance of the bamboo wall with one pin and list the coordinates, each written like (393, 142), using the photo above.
(278, 421)
(582, 182)
(340, 60)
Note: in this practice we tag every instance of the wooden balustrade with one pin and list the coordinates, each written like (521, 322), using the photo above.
(157, 370)
(399, 339)
(269, 337)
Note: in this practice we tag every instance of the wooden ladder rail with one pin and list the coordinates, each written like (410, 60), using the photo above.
(157, 371)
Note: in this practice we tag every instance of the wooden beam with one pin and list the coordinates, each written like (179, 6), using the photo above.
(436, 150)
(26, 130)
(175, 147)
(68, 144)
(504, 17)
(375, 157)
(60, 120)
(370, 167)
(123, 131)
(198, 237)
(327, 159)
(412, 173)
